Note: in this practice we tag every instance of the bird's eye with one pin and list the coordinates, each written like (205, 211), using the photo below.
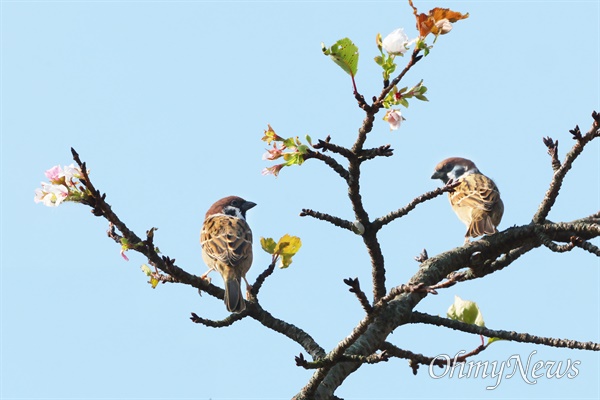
(235, 203)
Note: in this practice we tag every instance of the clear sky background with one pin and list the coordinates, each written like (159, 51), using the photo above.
(167, 102)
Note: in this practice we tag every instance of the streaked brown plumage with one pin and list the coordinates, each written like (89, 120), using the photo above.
(476, 200)
(226, 241)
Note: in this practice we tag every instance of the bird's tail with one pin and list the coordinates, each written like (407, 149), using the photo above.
(481, 224)
(234, 301)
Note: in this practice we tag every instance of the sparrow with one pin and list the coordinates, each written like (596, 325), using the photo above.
(226, 241)
(476, 199)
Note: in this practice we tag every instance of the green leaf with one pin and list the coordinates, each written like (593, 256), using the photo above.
(289, 142)
(421, 97)
(492, 340)
(345, 54)
(302, 149)
(268, 245)
(379, 60)
(146, 270)
(465, 311)
(309, 140)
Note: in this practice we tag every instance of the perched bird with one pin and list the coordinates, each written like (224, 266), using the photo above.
(476, 199)
(226, 241)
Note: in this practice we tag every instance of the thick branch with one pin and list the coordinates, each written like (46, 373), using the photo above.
(291, 331)
(399, 310)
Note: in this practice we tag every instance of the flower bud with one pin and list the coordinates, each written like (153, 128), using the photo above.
(396, 43)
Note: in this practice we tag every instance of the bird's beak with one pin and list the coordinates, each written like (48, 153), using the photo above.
(247, 205)
(437, 175)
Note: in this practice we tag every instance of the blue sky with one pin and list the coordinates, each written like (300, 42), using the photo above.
(167, 102)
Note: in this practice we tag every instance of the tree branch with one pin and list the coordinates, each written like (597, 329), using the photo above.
(386, 219)
(418, 317)
(362, 297)
(560, 173)
(167, 265)
(332, 163)
(261, 278)
(553, 152)
(381, 151)
(587, 246)
(230, 320)
(399, 310)
(416, 359)
(291, 331)
(339, 222)
(326, 145)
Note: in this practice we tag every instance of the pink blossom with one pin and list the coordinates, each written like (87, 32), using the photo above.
(274, 170)
(70, 172)
(124, 255)
(54, 174)
(273, 154)
(394, 118)
(51, 195)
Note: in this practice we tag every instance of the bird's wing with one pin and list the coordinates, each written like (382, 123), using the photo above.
(476, 191)
(227, 239)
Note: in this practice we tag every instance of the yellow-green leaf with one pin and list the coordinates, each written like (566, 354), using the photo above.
(492, 340)
(153, 282)
(288, 245)
(285, 261)
(268, 245)
(465, 311)
(146, 270)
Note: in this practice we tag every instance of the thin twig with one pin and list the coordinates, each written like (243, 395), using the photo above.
(332, 163)
(587, 246)
(261, 278)
(552, 151)
(381, 151)
(339, 222)
(559, 174)
(326, 145)
(547, 242)
(415, 359)
(362, 297)
(386, 219)
(230, 320)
